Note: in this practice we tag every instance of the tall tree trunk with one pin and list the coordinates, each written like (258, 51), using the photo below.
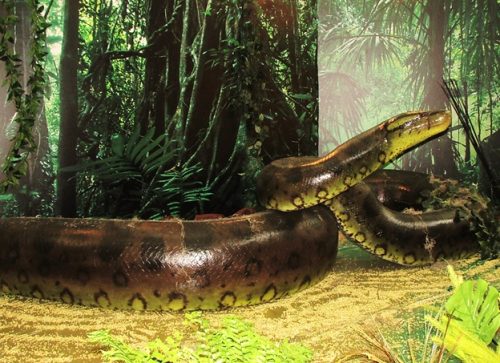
(38, 178)
(152, 111)
(66, 193)
(7, 110)
(437, 156)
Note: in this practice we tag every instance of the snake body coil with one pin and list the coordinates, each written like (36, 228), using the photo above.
(183, 265)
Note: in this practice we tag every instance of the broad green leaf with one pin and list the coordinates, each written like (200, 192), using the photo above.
(462, 343)
(475, 305)
(142, 155)
(141, 144)
(132, 141)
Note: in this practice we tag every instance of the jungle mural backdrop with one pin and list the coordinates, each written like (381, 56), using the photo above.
(153, 108)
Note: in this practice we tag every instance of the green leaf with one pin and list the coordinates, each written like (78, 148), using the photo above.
(141, 144)
(475, 305)
(117, 145)
(302, 96)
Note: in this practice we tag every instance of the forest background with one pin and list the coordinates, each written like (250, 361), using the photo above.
(155, 108)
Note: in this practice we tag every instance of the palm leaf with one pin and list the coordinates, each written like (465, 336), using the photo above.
(475, 305)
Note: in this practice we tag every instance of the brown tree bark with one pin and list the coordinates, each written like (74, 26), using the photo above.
(152, 111)
(36, 187)
(68, 135)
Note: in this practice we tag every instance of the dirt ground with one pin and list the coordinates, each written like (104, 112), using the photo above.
(360, 291)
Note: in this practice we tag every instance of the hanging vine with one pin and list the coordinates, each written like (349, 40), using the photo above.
(28, 98)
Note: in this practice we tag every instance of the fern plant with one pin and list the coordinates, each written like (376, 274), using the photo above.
(235, 341)
(141, 178)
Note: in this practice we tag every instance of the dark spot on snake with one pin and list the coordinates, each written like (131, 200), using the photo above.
(101, 298)
(382, 157)
(177, 296)
(120, 279)
(306, 281)
(253, 267)
(22, 276)
(44, 268)
(298, 201)
(363, 169)
(269, 293)
(380, 249)
(36, 292)
(152, 254)
(251, 284)
(82, 275)
(43, 246)
(249, 297)
(57, 283)
(227, 299)
(409, 258)
(223, 286)
(157, 293)
(137, 299)
(199, 236)
(111, 249)
(226, 266)
(67, 297)
(294, 261)
(360, 237)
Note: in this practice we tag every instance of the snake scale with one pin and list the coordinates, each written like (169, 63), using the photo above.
(244, 260)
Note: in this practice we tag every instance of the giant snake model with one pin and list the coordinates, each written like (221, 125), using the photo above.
(249, 259)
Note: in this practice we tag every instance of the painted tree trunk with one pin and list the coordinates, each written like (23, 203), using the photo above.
(37, 179)
(66, 192)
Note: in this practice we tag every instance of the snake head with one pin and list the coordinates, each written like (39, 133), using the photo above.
(410, 129)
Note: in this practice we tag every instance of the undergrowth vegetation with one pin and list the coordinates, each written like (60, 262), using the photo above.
(235, 341)
(465, 328)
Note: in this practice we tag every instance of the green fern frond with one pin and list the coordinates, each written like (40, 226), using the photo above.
(235, 341)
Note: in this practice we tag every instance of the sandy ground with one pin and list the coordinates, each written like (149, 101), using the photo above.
(361, 290)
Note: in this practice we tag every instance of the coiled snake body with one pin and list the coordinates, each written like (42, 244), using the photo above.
(185, 265)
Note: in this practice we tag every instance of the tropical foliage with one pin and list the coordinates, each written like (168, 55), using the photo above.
(381, 57)
(235, 341)
(465, 327)
(231, 84)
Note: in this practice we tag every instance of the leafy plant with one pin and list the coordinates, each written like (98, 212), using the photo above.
(472, 321)
(463, 328)
(27, 101)
(141, 178)
(235, 341)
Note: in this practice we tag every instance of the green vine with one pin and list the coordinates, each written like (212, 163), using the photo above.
(27, 101)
